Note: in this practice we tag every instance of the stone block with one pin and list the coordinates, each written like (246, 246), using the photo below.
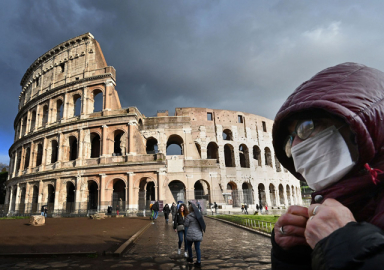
(37, 220)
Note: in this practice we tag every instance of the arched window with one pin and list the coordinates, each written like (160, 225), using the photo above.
(152, 147)
(244, 156)
(24, 127)
(27, 155)
(97, 100)
(59, 110)
(95, 145)
(175, 145)
(55, 151)
(45, 115)
(257, 155)
(39, 156)
(268, 157)
(72, 148)
(213, 151)
(116, 145)
(229, 156)
(77, 105)
(18, 163)
(33, 121)
(227, 135)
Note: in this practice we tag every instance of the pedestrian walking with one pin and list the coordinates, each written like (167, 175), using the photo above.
(246, 209)
(215, 206)
(45, 211)
(173, 210)
(155, 208)
(242, 208)
(257, 207)
(117, 209)
(178, 226)
(194, 236)
(42, 210)
(266, 208)
(166, 212)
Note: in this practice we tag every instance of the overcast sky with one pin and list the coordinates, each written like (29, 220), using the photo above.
(237, 55)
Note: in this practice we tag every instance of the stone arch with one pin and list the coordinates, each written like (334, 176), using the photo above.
(73, 146)
(33, 121)
(118, 142)
(294, 195)
(175, 145)
(52, 151)
(76, 99)
(39, 154)
(178, 190)
(44, 119)
(202, 190)
(256, 155)
(229, 155)
(59, 109)
(151, 146)
(22, 200)
(227, 135)
(70, 196)
(289, 195)
(232, 195)
(35, 198)
(92, 198)
(247, 193)
(24, 126)
(147, 192)
(27, 157)
(50, 198)
(97, 100)
(272, 194)
(262, 196)
(213, 151)
(268, 157)
(95, 145)
(244, 156)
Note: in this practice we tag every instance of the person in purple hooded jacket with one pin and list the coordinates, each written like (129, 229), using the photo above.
(330, 133)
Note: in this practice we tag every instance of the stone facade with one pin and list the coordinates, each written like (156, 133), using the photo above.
(70, 156)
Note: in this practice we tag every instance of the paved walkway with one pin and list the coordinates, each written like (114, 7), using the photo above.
(224, 247)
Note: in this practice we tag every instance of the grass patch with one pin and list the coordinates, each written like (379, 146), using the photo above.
(14, 217)
(240, 219)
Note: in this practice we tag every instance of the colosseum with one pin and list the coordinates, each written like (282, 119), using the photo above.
(76, 148)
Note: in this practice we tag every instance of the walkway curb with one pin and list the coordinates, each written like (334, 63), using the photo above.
(241, 226)
(131, 240)
(39, 255)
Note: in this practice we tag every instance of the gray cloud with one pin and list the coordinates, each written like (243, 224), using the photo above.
(236, 55)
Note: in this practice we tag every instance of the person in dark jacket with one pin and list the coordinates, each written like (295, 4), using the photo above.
(245, 209)
(178, 226)
(173, 210)
(330, 133)
(166, 211)
(194, 236)
(155, 208)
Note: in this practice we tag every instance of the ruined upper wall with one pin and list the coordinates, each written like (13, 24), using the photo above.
(71, 61)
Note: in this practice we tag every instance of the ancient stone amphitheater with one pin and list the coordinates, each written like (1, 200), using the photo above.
(77, 150)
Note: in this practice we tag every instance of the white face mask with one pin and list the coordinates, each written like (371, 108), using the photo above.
(323, 159)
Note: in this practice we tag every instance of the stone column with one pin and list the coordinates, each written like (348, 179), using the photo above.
(80, 154)
(267, 197)
(84, 103)
(28, 126)
(11, 207)
(44, 161)
(40, 197)
(65, 106)
(104, 141)
(57, 195)
(17, 201)
(22, 160)
(77, 194)
(102, 204)
(131, 130)
(132, 204)
(38, 118)
(60, 150)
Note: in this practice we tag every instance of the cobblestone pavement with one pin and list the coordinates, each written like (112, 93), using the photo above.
(224, 247)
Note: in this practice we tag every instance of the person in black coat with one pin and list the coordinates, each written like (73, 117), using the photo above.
(173, 210)
(166, 211)
(178, 226)
(155, 208)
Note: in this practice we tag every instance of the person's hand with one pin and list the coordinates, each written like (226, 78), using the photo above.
(325, 219)
(293, 224)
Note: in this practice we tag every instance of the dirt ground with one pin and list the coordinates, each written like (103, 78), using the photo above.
(62, 235)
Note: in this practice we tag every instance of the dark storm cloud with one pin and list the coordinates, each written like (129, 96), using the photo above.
(236, 55)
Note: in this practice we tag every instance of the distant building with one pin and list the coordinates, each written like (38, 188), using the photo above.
(72, 157)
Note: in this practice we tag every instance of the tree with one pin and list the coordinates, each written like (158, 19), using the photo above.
(3, 178)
